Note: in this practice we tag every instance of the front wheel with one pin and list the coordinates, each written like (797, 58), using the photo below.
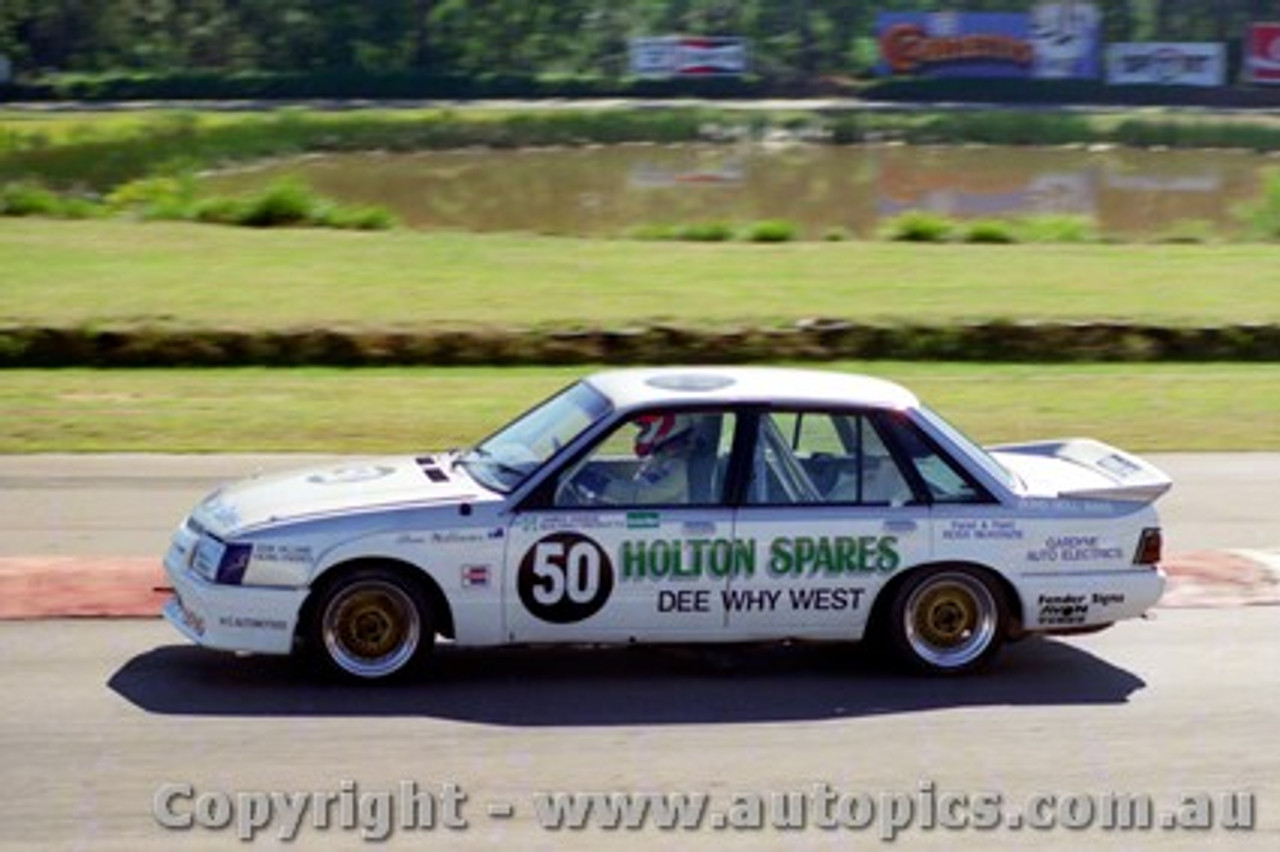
(370, 625)
(948, 620)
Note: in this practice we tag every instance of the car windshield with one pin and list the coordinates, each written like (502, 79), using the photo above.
(504, 460)
(971, 448)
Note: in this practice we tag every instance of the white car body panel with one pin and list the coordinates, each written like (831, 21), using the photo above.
(1061, 532)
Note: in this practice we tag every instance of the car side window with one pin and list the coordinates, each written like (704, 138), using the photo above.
(658, 458)
(946, 481)
(820, 457)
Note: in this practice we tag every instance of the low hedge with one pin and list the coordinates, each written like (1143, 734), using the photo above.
(358, 83)
(816, 340)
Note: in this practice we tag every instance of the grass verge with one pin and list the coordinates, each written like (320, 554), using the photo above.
(1142, 408)
(123, 274)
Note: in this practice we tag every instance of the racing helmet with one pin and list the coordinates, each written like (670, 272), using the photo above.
(660, 430)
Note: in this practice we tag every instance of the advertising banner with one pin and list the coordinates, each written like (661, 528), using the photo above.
(688, 56)
(1262, 53)
(1167, 64)
(1067, 38)
(954, 44)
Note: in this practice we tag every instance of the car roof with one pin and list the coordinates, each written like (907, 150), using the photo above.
(644, 387)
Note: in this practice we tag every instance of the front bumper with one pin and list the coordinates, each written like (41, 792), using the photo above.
(231, 618)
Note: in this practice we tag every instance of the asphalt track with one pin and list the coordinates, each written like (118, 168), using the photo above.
(102, 715)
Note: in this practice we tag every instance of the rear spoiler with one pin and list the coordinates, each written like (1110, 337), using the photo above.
(1104, 472)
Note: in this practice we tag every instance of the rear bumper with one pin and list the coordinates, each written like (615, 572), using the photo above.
(1076, 601)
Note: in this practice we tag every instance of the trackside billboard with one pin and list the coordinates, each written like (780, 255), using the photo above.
(1262, 54)
(954, 44)
(1166, 64)
(1055, 41)
(688, 56)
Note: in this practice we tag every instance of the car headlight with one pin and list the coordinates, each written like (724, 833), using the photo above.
(220, 562)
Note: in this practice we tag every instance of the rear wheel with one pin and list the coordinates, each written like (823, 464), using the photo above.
(372, 624)
(948, 620)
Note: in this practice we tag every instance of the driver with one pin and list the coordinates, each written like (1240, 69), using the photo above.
(663, 444)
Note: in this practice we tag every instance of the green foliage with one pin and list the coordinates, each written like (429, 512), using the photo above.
(835, 234)
(366, 218)
(652, 231)
(1188, 232)
(989, 231)
(155, 197)
(1263, 216)
(284, 202)
(705, 232)
(771, 231)
(28, 199)
(1057, 228)
(916, 226)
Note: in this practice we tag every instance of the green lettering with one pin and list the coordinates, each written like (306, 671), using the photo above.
(632, 558)
(719, 559)
(887, 549)
(780, 557)
(744, 558)
(846, 555)
(694, 569)
(805, 550)
(661, 558)
(866, 549)
(823, 559)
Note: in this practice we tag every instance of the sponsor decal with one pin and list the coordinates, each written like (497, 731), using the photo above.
(982, 530)
(565, 578)
(1107, 598)
(294, 554)
(1068, 506)
(684, 559)
(190, 617)
(244, 622)
(798, 598)
(1063, 609)
(643, 520)
(475, 576)
(351, 474)
(1074, 548)
(785, 556)
(582, 521)
(459, 536)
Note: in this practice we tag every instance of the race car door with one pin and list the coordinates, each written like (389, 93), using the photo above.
(632, 540)
(830, 516)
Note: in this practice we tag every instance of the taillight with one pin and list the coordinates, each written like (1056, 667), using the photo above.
(1149, 547)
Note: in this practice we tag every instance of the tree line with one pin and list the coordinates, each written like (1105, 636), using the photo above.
(790, 39)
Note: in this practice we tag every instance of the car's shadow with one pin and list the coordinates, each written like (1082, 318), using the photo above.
(621, 686)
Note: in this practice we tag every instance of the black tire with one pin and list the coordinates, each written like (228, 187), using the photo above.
(372, 624)
(948, 620)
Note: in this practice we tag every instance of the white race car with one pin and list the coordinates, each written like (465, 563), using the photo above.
(680, 505)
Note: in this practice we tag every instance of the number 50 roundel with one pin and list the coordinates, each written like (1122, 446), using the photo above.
(565, 577)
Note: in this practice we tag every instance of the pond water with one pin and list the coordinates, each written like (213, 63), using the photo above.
(605, 191)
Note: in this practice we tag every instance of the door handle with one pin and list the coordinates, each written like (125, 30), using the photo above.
(900, 526)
